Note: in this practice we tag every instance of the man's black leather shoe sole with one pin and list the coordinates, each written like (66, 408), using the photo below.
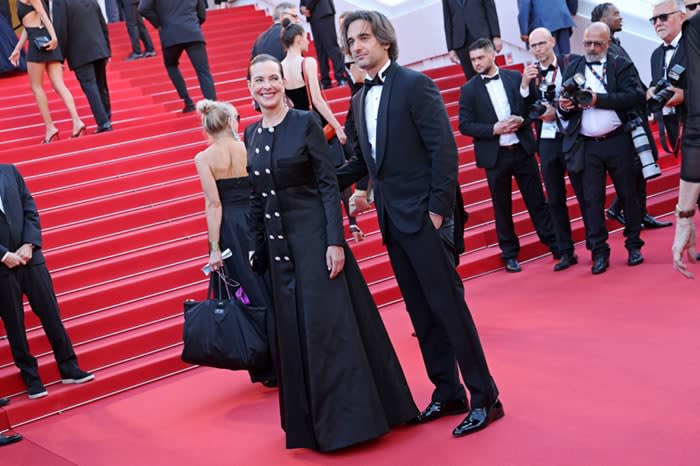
(478, 419)
(600, 265)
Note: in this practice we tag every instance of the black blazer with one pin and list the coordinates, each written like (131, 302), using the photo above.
(624, 92)
(464, 23)
(82, 31)
(270, 42)
(178, 22)
(477, 116)
(416, 168)
(657, 64)
(318, 8)
(21, 214)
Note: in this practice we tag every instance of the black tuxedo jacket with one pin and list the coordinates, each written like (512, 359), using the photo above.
(416, 168)
(269, 42)
(20, 212)
(658, 67)
(177, 21)
(82, 31)
(318, 8)
(477, 116)
(624, 92)
(468, 20)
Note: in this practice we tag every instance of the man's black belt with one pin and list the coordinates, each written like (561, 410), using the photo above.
(619, 130)
(511, 148)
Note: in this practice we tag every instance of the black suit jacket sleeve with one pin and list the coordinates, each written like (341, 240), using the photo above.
(147, 8)
(468, 123)
(201, 11)
(31, 229)
(105, 31)
(430, 118)
(573, 6)
(447, 18)
(492, 18)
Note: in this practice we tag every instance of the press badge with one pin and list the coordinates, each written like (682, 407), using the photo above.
(549, 130)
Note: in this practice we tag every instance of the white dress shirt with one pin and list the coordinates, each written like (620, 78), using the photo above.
(668, 55)
(372, 98)
(596, 122)
(499, 100)
(549, 128)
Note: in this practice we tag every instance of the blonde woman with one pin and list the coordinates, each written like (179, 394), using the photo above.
(41, 59)
(227, 191)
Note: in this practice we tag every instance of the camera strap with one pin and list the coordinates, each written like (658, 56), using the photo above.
(603, 79)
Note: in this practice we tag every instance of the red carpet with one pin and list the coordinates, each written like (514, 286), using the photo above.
(592, 371)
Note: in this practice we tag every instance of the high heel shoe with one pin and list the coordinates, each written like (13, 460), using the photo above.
(51, 138)
(80, 132)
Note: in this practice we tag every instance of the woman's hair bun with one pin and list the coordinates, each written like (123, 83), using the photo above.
(286, 22)
(205, 106)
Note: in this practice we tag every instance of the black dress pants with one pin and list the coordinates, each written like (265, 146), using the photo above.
(136, 28)
(434, 296)
(553, 172)
(35, 282)
(327, 48)
(465, 61)
(520, 165)
(197, 53)
(615, 156)
(93, 80)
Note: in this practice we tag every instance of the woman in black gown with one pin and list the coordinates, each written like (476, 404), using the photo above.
(36, 22)
(227, 189)
(340, 380)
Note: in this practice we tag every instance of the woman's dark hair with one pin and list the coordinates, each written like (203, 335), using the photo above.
(263, 57)
(290, 31)
(380, 25)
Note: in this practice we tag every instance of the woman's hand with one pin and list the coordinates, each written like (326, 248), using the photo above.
(340, 134)
(53, 43)
(335, 260)
(684, 243)
(215, 260)
(14, 57)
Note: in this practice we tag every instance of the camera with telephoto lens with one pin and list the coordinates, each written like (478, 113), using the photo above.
(650, 169)
(664, 91)
(573, 90)
(548, 93)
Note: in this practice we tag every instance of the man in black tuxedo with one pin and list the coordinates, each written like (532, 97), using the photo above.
(321, 16)
(84, 40)
(546, 74)
(494, 113)
(405, 143)
(179, 27)
(614, 93)
(137, 31)
(610, 15)
(23, 272)
(668, 20)
(465, 22)
(270, 41)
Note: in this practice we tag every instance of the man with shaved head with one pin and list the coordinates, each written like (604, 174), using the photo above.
(598, 122)
(545, 73)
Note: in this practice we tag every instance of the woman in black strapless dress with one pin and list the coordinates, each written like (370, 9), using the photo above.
(227, 189)
(37, 25)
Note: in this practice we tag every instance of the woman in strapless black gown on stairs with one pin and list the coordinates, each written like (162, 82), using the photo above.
(36, 22)
(227, 189)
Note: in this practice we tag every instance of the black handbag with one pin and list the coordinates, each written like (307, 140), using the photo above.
(226, 333)
(41, 42)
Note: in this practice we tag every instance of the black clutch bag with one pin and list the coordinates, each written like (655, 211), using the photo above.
(41, 42)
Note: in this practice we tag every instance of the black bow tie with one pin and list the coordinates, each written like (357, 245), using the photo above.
(668, 47)
(376, 81)
(492, 78)
(545, 71)
(591, 63)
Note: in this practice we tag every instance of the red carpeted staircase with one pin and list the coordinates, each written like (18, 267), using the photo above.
(122, 214)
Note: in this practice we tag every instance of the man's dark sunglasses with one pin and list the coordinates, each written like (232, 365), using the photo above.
(664, 17)
(692, 6)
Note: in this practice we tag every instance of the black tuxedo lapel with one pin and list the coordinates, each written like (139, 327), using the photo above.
(611, 73)
(383, 113)
(511, 92)
(361, 128)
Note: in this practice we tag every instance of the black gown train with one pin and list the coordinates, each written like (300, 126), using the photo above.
(340, 379)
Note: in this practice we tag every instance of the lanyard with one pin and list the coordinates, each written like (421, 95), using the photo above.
(600, 78)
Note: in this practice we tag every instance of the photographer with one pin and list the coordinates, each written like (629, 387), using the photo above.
(546, 74)
(596, 116)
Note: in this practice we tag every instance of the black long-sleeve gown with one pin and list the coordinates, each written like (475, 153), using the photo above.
(690, 168)
(340, 379)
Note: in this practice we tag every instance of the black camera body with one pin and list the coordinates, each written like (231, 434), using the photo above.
(548, 95)
(663, 89)
(573, 90)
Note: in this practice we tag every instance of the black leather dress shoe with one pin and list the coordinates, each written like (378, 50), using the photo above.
(479, 418)
(512, 265)
(104, 128)
(8, 439)
(566, 261)
(615, 215)
(650, 222)
(438, 409)
(635, 257)
(4, 402)
(600, 265)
